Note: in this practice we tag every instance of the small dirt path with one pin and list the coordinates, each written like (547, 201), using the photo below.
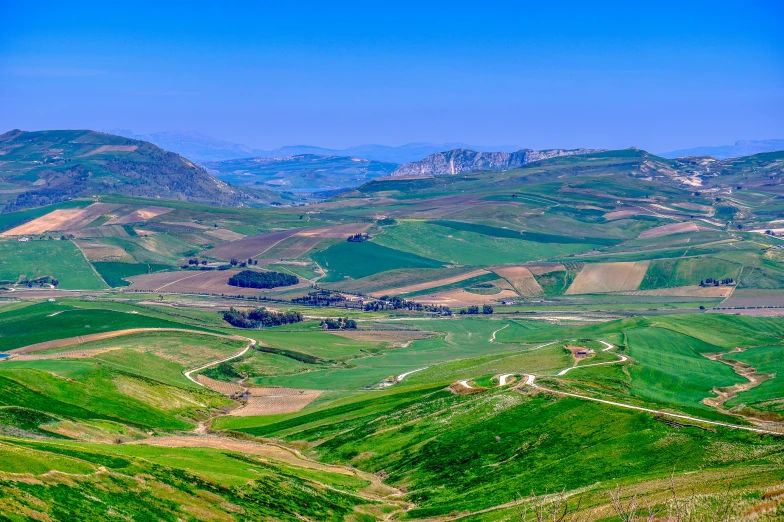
(530, 381)
(492, 337)
(187, 374)
(729, 392)
(608, 347)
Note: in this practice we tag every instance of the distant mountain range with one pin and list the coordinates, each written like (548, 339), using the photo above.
(301, 173)
(201, 148)
(462, 160)
(741, 148)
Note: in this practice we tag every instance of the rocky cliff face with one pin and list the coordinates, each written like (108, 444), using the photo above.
(461, 160)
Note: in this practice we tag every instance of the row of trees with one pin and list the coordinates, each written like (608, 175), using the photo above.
(474, 310)
(255, 279)
(242, 264)
(717, 282)
(259, 318)
(398, 303)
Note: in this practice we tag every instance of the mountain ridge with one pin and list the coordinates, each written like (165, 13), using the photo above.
(457, 161)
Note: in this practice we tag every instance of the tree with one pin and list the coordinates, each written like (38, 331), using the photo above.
(487, 309)
(233, 262)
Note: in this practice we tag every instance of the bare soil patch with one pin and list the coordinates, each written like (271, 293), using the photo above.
(620, 214)
(608, 277)
(293, 247)
(545, 268)
(336, 231)
(95, 251)
(61, 219)
(248, 247)
(429, 284)
(111, 148)
(687, 291)
(225, 388)
(140, 215)
(671, 228)
(271, 401)
(195, 282)
(459, 297)
(225, 234)
(521, 278)
(72, 354)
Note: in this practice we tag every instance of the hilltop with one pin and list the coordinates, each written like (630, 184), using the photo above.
(462, 160)
(740, 148)
(44, 167)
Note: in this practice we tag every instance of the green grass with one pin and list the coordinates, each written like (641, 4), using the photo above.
(769, 395)
(537, 237)
(356, 260)
(105, 482)
(665, 273)
(59, 259)
(47, 321)
(468, 248)
(115, 274)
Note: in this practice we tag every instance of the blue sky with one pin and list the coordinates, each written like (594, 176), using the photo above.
(656, 75)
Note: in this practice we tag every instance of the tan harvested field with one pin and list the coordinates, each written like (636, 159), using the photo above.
(521, 279)
(62, 219)
(140, 215)
(226, 388)
(111, 148)
(429, 284)
(608, 277)
(672, 228)
(95, 251)
(224, 234)
(195, 282)
(381, 336)
(459, 297)
(545, 268)
(189, 224)
(72, 354)
(620, 214)
(58, 343)
(102, 231)
(687, 291)
(248, 247)
(272, 401)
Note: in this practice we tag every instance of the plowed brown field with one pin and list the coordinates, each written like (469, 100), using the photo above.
(430, 284)
(226, 388)
(271, 401)
(140, 215)
(521, 279)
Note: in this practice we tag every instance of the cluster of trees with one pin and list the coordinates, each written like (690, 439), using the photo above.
(41, 281)
(261, 317)
(474, 310)
(358, 238)
(255, 279)
(243, 264)
(195, 261)
(339, 324)
(398, 303)
(321, 298)
(717, 282)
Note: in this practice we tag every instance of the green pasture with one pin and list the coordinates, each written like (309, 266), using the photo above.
(61, 260)
(115, 274)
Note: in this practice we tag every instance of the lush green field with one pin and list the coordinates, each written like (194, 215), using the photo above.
(104, 483)
(665, 273)
(469, 248)
(356, 260)
(769, 395)
(46, 321)
(61, 260)
(115, 273)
